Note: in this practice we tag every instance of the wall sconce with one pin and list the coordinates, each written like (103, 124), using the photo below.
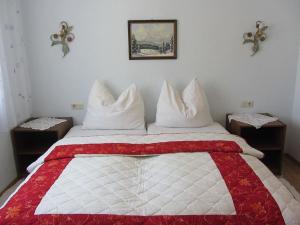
(256, 37)
(63, 37)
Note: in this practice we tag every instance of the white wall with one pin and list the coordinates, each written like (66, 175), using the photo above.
(209, 47)
(294, 140)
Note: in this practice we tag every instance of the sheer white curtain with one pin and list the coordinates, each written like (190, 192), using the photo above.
(15, 101)
(6, 107)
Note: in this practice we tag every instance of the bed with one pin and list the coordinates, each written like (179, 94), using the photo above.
(164, 177)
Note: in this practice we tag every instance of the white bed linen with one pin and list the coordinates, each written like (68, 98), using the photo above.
(147, 139)
(79, 131)
(289, 206)
(213, 128)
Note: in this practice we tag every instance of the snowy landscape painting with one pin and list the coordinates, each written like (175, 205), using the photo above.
(152, 39)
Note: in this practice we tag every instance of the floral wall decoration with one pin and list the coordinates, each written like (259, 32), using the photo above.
(257, 37)
(63, 37)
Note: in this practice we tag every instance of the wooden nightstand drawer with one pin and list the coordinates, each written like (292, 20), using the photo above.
(269, 139)
(265, 138)
(30, 144)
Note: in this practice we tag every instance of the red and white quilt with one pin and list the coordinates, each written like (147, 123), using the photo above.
(196, 178)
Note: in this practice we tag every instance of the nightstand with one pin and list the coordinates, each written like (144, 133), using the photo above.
(30, 144)
(269, 139)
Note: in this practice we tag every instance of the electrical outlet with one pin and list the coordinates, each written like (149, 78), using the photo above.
(77, 106)
(247, 104)
(251, 104)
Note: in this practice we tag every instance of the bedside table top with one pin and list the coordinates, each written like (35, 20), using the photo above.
(276, 123)
(59, 128)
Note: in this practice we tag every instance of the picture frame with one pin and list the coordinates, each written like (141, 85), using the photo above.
(152, 39)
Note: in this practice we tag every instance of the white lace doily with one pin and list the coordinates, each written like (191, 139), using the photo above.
(42, 123)
(256, 120)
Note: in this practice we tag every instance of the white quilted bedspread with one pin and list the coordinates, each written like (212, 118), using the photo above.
(181, 183)
(171, 184)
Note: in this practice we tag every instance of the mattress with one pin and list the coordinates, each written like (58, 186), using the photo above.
(190, 178)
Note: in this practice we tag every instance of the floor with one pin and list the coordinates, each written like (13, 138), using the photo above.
(291, 171)
(9, 192)
(290, 175)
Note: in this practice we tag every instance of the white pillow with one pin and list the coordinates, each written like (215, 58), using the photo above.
(189, 110)
(104, 112)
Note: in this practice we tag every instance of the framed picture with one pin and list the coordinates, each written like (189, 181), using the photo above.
(152, 39)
